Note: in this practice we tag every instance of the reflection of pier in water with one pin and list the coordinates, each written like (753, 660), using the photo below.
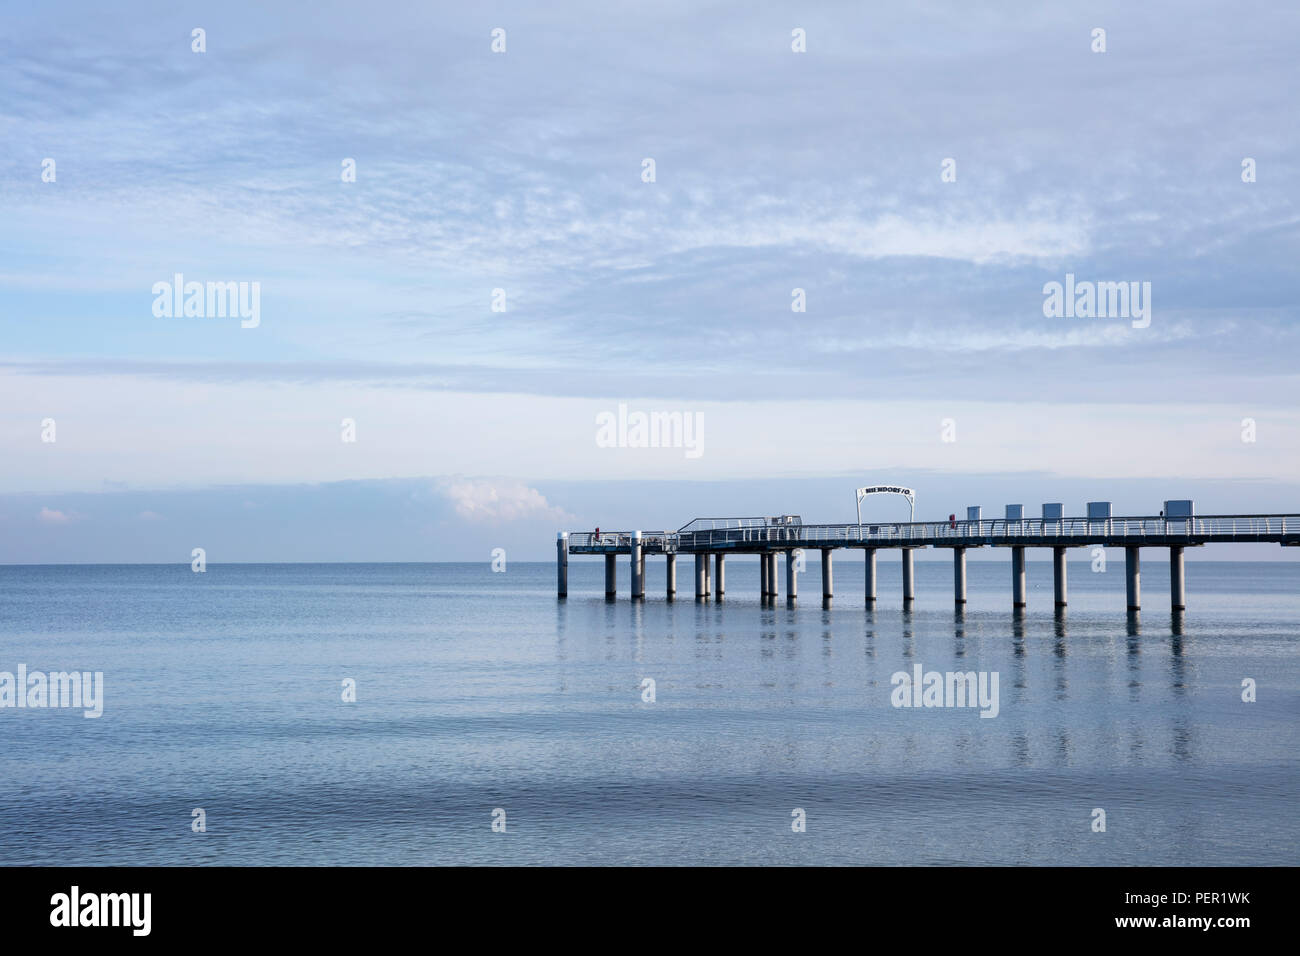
(1051, 662)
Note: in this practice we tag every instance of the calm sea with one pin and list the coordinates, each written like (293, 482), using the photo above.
(477, 690)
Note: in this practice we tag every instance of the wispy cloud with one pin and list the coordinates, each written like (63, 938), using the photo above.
(496, 500)
(522, 172)
(55, 517)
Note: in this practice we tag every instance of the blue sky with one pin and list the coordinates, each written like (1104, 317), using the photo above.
(522, 171)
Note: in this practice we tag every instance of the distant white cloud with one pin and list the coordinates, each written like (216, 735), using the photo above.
(1051, 334)
(979, 240)
(149, 516)
(53, 516)
(495, 500)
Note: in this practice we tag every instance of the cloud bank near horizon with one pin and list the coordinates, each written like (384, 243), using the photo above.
(464, 519)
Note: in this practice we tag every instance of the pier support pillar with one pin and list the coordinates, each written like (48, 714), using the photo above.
(562, 565)
(1177, 589)
(1133, 577)
(638, 568)
(909, 577)
(611, 577)
(671, 574)
(1058, 575)
(773, 585)
(763, 587)
(959, 575)
(1019, 585)
(869, 554)
(791, 579)
(827, 589)
(720, 575)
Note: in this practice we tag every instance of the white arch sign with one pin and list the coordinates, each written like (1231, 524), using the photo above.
(907, 493)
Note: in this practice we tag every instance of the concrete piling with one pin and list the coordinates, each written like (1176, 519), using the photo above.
(791, 579)
(1058, 576)
(959, 575)
(1133, 577)
(1019, 585)
(638, 568)
(611, 577)
(1177, 588)
(827, 589)
(909, 577)
(720, 575)
(869, 554)
(562, 564)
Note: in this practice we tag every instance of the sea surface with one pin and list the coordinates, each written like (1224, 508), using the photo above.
(477, 691)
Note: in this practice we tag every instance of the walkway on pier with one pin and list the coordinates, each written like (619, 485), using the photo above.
(710, 540)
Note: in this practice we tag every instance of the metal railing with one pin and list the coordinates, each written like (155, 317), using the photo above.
(715, 524)
(650, 540)
(760, 534)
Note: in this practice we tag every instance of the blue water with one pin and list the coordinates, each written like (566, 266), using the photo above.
(478, 690)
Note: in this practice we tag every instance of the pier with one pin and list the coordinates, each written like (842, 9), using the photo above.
(711, 540)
